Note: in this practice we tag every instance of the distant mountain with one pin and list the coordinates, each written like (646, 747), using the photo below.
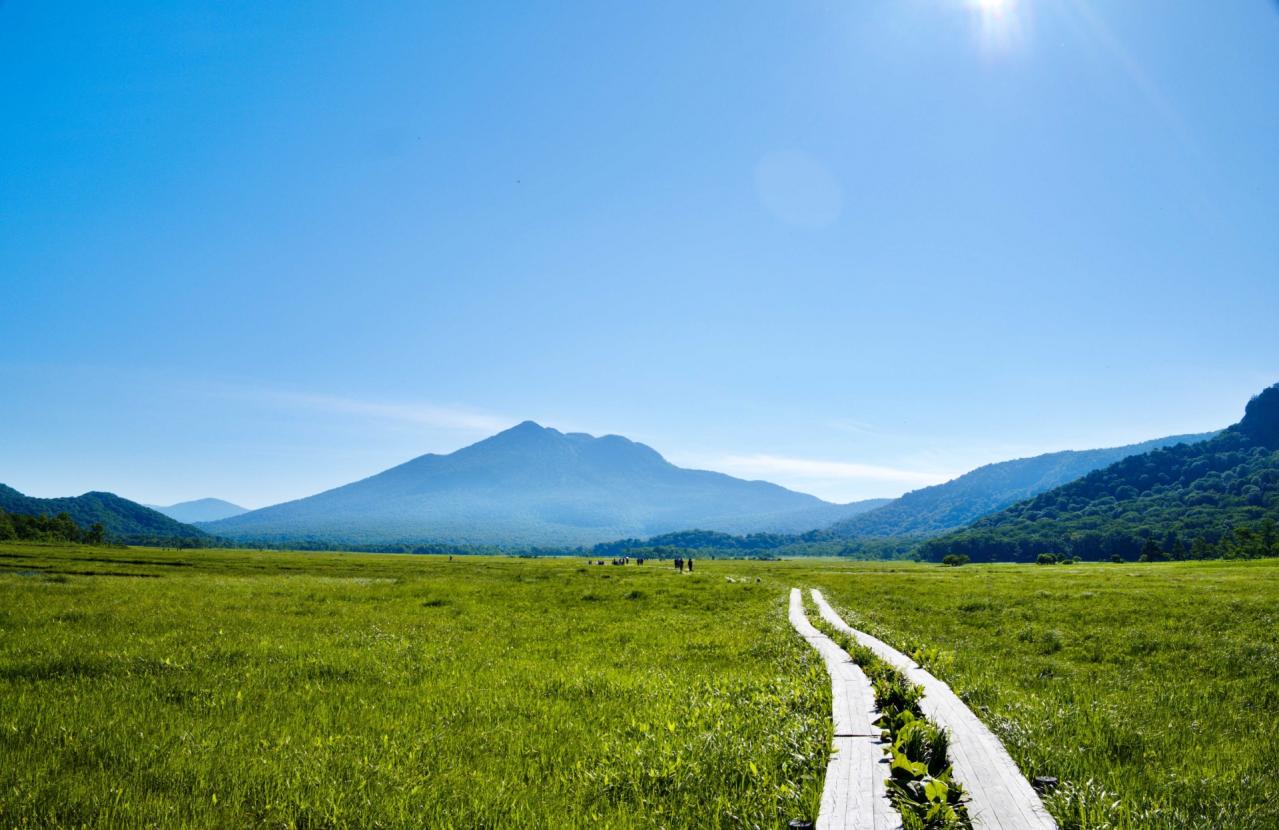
(986, 490)
(1215, 497)
(531, 485)
(125, 521)
(200, 510)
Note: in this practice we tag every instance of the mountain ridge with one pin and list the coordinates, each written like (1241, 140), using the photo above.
(1215, 497)
(532, 484)
(985, 490)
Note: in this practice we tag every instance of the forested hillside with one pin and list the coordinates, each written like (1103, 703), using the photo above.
(987, 489)
(1215, 498)
(122, 520)
(46, 528)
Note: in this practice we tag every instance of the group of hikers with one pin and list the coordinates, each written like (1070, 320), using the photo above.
(680, 562)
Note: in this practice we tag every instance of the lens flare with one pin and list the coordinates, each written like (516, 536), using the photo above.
(999, 23)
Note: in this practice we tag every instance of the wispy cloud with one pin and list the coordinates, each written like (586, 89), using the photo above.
(776, 465)
(851, 426)
(422, 414)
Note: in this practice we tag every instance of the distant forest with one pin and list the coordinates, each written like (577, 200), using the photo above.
(1218, 498)
(1175, 503)
(713, 544)
(122, 521)
(45, 528)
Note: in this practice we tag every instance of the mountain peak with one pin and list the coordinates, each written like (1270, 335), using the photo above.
(523, 434)
(525, 430)
(531, 484)
(1261, 418)
(199, 510)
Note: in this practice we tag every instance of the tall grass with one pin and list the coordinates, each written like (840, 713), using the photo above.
(216, 689)
(140, 688)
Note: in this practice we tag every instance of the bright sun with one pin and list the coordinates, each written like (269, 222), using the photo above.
(998, 23)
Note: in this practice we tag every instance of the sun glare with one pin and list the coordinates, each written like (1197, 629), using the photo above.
(998, 22)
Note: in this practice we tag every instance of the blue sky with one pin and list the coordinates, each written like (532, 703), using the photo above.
(255, 250)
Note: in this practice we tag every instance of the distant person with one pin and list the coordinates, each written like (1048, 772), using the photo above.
(690, 564)
(679, 564)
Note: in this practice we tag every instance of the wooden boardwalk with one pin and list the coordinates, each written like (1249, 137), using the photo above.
(854, 796)
(1001, 797)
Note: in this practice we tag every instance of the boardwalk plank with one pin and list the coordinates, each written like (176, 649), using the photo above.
(854, 796)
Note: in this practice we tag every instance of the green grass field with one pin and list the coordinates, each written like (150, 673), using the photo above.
(145, 688)
(141, 688)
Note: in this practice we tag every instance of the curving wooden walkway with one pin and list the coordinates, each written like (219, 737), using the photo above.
(854, 796)
(1001, 797)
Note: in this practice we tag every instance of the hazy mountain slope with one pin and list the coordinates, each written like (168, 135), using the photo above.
(124, 520)
(533, 485)
(826, 514)
(986, 490)
(199, 510)
(1216, 497)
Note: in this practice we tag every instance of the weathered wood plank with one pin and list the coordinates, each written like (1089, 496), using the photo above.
(854, 796)
(1001, 797)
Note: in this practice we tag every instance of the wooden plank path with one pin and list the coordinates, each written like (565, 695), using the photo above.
(854, 796)
(1001, 797)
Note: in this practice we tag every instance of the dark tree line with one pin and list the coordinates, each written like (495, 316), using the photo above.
(46, 528)
(713, 544)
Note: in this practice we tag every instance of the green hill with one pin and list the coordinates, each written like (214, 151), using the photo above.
(956, 503)
(125, 521)
(1219, 497)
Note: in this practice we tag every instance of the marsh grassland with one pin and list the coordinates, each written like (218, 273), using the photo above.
(145, 688)
(141, 688)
